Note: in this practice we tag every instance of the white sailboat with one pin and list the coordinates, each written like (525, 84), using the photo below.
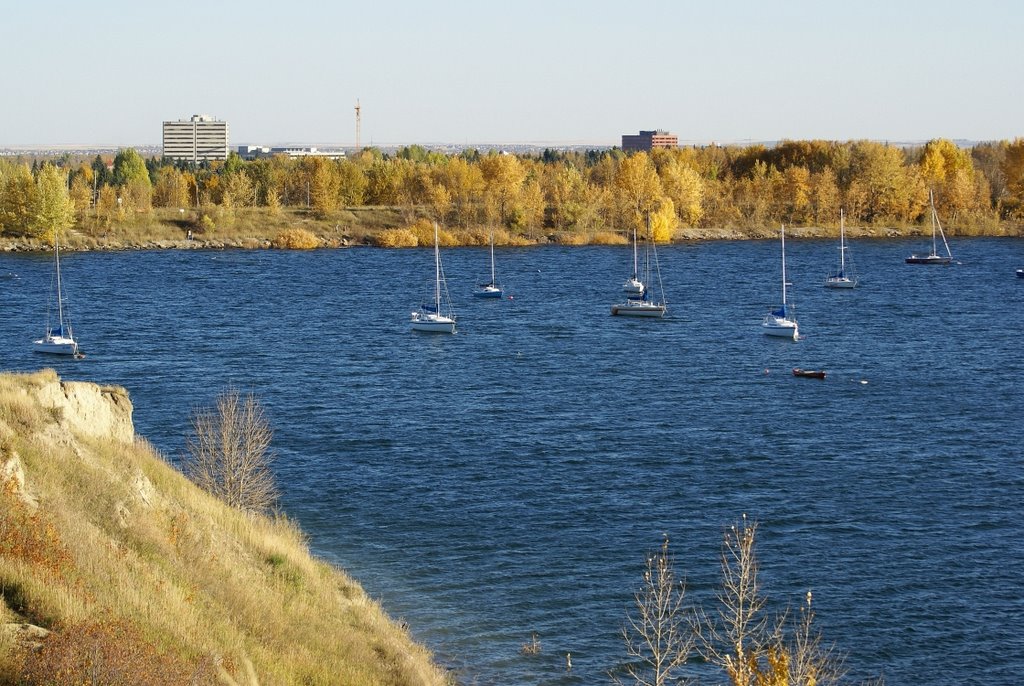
(436, 317)
(641, 303)
(59, 338)
(933, 257)
(780, 322)
(841, 278)
(490, 289)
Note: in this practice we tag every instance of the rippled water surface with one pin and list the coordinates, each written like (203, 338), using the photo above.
(509, 479)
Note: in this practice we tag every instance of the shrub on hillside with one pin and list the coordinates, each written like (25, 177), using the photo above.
(112, 653)
(295, 239)
(608, 238)
(229, 453)
(423, 229)
(396, 238)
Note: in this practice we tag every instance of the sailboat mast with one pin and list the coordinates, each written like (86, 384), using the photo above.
(634, 248)
(60, 292)
(437, 274)
(842, 245)
(492, 258)
(783, 267)
(931, 202)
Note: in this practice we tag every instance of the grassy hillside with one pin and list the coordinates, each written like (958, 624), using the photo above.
(133, 570)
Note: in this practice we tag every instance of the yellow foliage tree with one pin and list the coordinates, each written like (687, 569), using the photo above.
(684, 186)
(54, 212)
(664, 221)
(638, 186)
(503, 177)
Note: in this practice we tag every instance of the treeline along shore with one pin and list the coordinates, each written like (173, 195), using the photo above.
(573, 198)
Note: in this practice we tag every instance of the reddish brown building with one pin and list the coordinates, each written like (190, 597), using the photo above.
(648, 140)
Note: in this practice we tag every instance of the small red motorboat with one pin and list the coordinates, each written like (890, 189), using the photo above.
(809, 373)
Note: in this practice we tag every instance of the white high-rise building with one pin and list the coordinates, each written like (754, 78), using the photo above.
(197, 139)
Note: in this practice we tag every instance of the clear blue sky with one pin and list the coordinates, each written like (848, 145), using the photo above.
(475, 71)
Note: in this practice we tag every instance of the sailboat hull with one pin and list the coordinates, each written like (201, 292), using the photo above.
(638, 309)
(928, 259)
(432, 323)
(488, 292)
(780, 328)
(840, 282)
(55, 345)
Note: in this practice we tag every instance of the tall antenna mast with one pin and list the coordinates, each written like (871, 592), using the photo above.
(359, 125)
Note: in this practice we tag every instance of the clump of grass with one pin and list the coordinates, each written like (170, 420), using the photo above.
(608, 238)
(395, 238)
(572, 238)
(296, 239)
(423, 229)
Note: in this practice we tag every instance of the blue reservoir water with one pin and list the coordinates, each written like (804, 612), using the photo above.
(510, 479)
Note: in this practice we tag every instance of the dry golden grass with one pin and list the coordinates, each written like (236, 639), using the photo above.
(396, 238)
(121, 536)
(296, 239)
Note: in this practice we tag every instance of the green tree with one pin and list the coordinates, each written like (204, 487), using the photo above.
(129, 167)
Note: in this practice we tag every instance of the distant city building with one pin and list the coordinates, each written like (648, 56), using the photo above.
(648, 140)
(252, 152)
(197, 139)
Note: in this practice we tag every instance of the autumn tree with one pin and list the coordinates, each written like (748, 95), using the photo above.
(797, 194)
(171, 188)
(638, 187)
(1013, 171)
(564, 191)
(239, 190)
(352, 184)
(465, 185)
(825, 199)
(887, 187)
(684, 186)
(18, 191)
(664, 221)
(54, 212)
(503, 176)
(382, 183)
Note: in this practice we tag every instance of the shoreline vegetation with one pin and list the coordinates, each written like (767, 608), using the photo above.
(255, 229)
(595, 197)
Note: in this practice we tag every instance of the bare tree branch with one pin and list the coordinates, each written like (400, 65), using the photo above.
(229, 452)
